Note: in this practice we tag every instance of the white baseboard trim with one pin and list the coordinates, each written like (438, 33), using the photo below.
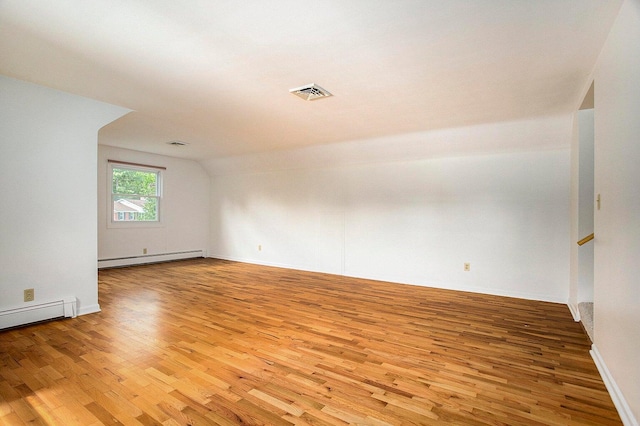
(408, 281)
(626, 415)
(91, 309)
(482, 290)
(273, 264)
(149, 258)
(575, 312)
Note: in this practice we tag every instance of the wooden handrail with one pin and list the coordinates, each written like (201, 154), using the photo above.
(585, 239)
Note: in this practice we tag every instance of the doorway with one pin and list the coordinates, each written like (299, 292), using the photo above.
(586, 196)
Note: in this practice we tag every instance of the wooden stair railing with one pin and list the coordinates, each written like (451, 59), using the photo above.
(585, 239)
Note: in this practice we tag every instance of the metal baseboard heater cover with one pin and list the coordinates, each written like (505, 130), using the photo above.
(64, 308)
(149, 258)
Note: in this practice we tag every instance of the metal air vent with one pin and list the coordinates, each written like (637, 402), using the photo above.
(310, 92)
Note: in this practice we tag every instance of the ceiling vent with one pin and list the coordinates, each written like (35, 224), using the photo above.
(177, 143)
(310, 92)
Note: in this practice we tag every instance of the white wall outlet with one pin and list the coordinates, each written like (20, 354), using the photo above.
(259, 247)
(29, 295)
(467, 266)
(144, 251)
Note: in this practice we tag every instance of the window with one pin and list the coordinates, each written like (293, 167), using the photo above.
(135, 193)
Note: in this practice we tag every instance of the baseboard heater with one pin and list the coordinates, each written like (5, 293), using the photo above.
(38, 312)
(149, 258)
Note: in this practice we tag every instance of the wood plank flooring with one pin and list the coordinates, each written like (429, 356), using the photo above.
(206, 341)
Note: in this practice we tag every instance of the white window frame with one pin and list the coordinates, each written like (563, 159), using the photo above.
(159, 171)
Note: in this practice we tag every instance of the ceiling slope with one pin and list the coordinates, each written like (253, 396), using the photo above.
(216, 74)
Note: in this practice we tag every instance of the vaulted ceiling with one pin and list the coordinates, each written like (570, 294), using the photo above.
(216, 74)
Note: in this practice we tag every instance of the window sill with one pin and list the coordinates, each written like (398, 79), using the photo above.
(134, 225)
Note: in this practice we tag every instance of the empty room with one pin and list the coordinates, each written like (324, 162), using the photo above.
(320, 212)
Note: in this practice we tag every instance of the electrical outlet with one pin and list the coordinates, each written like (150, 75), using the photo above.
(144, 251)
(467, 266)
(29, 295)
(259, 247)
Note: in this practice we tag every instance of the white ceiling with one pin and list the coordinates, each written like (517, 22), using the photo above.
(217, 73)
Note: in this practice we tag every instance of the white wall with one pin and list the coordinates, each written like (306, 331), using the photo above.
(185, 208)
(411, 221)
(617, 224)
(48, 234)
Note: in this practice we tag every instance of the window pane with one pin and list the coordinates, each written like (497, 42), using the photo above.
(134, 209)
(126, 181)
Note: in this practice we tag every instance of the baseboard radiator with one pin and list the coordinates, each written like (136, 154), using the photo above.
(149, 258)
(38, 312)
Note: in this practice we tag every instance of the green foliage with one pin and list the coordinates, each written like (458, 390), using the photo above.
(134, 182)
(150, 210)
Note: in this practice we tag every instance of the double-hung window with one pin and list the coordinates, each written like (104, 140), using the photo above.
(136, 193)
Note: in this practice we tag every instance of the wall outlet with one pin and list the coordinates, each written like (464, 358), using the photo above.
(29, 295)
(467, 266)
(259, 247)
(144, 251)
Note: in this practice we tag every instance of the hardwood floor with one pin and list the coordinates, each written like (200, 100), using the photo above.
(206, 341)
